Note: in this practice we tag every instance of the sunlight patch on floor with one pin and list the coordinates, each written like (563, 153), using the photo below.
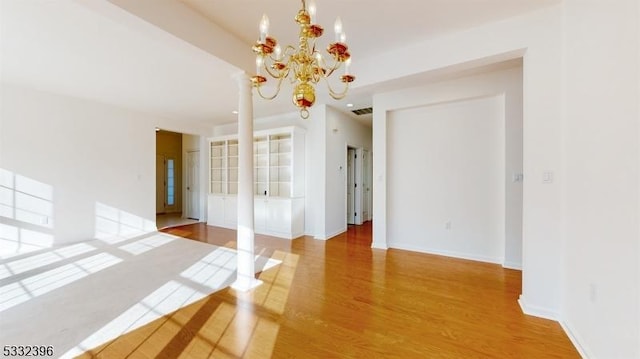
(18, 292)
(243, 325)
(214, 271)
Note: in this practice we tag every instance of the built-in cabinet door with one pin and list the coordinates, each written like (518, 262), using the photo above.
(279, 215)
(260, 214)
(278, 181)
(216, 211)
(231, 212)
(215, 215)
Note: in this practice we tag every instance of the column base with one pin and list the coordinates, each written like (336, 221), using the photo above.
(246, 284)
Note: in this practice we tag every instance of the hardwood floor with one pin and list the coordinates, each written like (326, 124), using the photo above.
(167, 220)
(342, 299)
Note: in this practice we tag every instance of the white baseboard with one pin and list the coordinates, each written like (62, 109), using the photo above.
(512, 265)
(379, 246)
(536, 311)
(566, 326)
(575, 339)
(473, 257)
(325, 236)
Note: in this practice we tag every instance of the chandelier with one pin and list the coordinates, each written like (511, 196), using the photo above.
(304, 65)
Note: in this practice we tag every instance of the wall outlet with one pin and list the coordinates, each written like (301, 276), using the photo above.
(447, 225)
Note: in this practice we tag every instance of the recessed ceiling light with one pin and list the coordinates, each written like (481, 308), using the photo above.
(349, 105)
(235, 112)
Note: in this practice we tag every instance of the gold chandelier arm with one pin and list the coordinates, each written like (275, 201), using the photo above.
(287, 52)
(284, 72)
(275, 94)
(302, 65)
(337, 95)
(279, 74)
(329, 70)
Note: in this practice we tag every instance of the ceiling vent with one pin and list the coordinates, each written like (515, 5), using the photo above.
(363, 111)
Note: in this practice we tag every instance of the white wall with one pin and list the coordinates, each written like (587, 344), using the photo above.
(98, 160)
(537, 38)
(341, 131)
(446, 181)
(601, 288)
(580, 87)
(409, 144)
(325, 153)
(197, 143)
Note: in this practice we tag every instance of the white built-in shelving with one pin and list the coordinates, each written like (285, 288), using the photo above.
(278, 156)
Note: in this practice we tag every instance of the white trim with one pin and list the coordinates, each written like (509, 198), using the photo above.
(459, 255)
(246, 285)
(326, 237)
(536, 311)
(512, 265)
(379, 246)
(576, 340)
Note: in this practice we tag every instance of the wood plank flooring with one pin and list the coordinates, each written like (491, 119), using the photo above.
(342, 299)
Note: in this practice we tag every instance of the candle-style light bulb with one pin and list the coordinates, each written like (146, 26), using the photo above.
(346, 66)
(312, 11)
(264, 27)
(259, 62)
(337, 27)
(278, 52)
(343, 38)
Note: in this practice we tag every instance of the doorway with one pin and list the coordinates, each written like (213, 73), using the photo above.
(352, 184)
(169, 176)
(366, 186)
(167, 179)
(160, 183)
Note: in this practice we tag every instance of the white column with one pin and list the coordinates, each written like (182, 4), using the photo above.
(246, 262)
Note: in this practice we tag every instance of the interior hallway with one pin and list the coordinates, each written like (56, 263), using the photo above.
(341, 298)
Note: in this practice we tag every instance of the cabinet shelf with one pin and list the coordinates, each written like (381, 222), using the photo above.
(278, 181)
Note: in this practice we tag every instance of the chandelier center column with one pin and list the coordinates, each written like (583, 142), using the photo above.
(246, 235)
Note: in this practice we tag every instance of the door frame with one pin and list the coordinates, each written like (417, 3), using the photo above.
(358, 188)
(160, 168)
(366, 185)
(188, 188)
(352, 185)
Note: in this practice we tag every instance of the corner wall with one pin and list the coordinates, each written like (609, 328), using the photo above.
(325, 153)
(446, 178)
(436, 176)
(74, 169)
(536, 38)
(341, 131)
(98, 161)
(601, 302)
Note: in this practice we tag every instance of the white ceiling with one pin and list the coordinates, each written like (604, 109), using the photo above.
(98, 50)
(70, 48)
